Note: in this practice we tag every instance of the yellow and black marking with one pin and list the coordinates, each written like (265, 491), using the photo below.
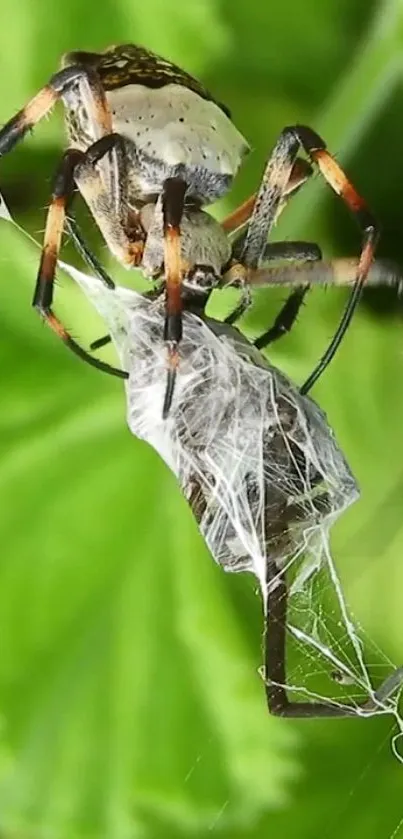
(128, 64)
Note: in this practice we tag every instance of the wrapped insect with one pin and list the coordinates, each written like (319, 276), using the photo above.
(257, 462)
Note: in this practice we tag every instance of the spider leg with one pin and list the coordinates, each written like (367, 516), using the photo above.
(300, 173)
(115, 223)
(94, 96)
(73, 229)
(242, 307)
(58, 86)
(273, 188)
(302, 275)
(118, 224)
(336, 272)
(43, 296)
(173, 200)
(288, 314)
(102, 192)
(268, 202)
(275, 663)
(87, 162)
(287, 251)
(285, 319)
(106, 339)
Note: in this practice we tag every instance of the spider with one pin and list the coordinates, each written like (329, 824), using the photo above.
(148, 148)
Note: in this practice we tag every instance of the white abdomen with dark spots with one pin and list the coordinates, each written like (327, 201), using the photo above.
(174, 126)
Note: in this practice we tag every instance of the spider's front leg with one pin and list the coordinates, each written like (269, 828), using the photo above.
(273, 189)
(268, 204)
(298, 174)
(315, 147)
(126, 241)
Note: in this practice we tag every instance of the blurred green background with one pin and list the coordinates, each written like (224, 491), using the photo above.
(130, 703)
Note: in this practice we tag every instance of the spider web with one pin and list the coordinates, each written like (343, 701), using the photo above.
(263, 473)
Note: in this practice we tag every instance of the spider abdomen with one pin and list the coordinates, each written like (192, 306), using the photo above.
(171, 132)
(172, 125)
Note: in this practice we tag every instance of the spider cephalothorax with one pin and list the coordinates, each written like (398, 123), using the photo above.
(143, 133)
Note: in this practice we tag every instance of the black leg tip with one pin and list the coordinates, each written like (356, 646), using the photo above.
(169, 392)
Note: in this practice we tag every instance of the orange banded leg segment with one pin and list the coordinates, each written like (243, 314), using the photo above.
(277, 175)
(300, 173)
(59, 84)
(338, 181)
(250, 247)
(43, 296)
(301, 170)
(269, 200)
(173, 200)
(240, 215)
